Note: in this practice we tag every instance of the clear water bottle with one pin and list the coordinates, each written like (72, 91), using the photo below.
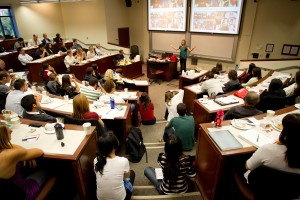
(59, 131)
(236, 67)
(112, 103)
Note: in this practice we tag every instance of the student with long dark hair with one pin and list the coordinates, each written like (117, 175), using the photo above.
(294, 89)
(177, 169)
(146, 109)
(256, 72)
(67, 88)
(248, 75)
(113, 175)
(284, 155)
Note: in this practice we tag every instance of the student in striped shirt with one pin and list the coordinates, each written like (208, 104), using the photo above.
(177, 169)
(93, 91)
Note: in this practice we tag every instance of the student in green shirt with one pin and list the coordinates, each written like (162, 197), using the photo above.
(183, 126)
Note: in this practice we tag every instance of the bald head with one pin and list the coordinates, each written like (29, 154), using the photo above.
(2, 64)
(251, 98)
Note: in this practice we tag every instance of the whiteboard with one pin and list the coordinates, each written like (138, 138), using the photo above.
(161, 41)
(220, 47)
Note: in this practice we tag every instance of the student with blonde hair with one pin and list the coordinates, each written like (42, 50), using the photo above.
(81, 109)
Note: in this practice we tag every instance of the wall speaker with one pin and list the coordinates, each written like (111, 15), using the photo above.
(128, 3)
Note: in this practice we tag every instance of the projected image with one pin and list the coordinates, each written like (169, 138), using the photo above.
(216, 16)
(167, 15)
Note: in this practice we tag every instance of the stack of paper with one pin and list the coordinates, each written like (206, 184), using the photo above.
(226, 100)
(225, 140)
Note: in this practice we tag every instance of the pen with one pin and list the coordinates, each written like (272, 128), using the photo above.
(29, 138)
(257, 137)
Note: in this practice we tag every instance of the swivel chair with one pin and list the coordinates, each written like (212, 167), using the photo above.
(134, 50)
(156, 74)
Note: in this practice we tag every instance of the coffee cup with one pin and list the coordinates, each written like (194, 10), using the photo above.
(33, 88)
(205, 98)
(270, 114)
(86, 127)
(125, 89)
(15, 122)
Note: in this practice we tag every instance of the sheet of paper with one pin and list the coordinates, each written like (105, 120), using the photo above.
(159, 173)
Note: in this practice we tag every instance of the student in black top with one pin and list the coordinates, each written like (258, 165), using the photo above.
(67, 88)
(177, 169)
(49, 49)
(89, 73)
(33, 110)
(97, 74)
(120, 56)
(41, 52)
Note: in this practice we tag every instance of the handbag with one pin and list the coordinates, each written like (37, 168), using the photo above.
(241, 93)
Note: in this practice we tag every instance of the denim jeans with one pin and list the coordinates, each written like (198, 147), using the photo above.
(40, 176)
(150, 174)
(150, 122)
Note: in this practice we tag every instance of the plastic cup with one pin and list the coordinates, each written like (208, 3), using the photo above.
(125, 89)
(270, 114)
(86, 127)
(205, 98)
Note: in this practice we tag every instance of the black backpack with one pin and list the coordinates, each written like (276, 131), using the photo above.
(135, 147)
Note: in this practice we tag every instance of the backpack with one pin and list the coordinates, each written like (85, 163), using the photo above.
(135, 147)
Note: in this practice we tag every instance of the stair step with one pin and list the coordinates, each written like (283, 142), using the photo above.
(170, 196)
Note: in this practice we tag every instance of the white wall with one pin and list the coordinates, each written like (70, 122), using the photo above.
(277, 22)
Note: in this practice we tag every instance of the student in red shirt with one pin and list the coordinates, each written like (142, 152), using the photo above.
(146, 109)
(81, 109)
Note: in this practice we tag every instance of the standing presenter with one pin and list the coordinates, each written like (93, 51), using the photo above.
(183, 54)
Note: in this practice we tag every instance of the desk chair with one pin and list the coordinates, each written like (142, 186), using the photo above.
(156, 73)
(134, 50)
(2, 101)
(271, 102)
(268, 183)
(9, 190)
(234, 87)
(94, 122)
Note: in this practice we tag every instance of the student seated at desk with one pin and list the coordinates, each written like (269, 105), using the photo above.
(146, 109)
(13, 99)
(284, 155)
(248, 75)
(218, 68)
(13, 157)
(49, 49)
(23, 57)
(91, 53)
(183, 126)
(76, 45)
(41, 52)
(58, 39)
(80, 55)
(294, 89)
(256, 76)
(33, 111)
(247, 110)
(19, 43)
(2, 67)
(177, 169)
(53, 85)
(67, 88)
(110, 88)
(34, 41)
(81, 109)
(233, 81)
(93, 91)
(69, 60)
(47, 70)
(113, 174)
(5, 78)
(211, 85)
(97, 74)
(172, 99)
(89, 73)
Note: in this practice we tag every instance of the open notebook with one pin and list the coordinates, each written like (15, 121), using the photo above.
(225, 140)
(255, 138)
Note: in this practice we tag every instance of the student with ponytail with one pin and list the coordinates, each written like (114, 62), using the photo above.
(113, 175)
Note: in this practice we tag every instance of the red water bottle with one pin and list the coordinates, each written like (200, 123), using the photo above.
(219, 118)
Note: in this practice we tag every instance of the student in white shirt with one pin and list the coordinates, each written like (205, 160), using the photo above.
(256, 76)
(172, 99)
(110, 88)
(69, 59)
(34, 42)
(23, 57)
(211, 85)
(91, 53)
(284, 155)
(295, 87)
(98, 50)
(113, 175)
(13, 99)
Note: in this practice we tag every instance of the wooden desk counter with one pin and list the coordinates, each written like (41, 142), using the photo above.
(132, 70)
(80, 163)
(186, 81)
(104, 63)
(169, 68)
(214, 166)
(8, 44)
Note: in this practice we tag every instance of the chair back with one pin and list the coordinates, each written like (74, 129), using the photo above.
(234, 87)
(134, 50)
(271, 102)
(2, 101)
(70, 120)
(9, 190)
(268, 183)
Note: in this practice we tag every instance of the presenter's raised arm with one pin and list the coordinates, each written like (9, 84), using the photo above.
(191, 49)
(174, 47)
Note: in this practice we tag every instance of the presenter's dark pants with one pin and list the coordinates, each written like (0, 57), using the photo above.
(182, 64)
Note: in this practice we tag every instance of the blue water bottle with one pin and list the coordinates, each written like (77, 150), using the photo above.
(112, 103)
(236, 67)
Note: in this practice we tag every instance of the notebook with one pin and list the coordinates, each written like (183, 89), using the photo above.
(225, 140)
(223, 101)
(159, 173)
(255, 138)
